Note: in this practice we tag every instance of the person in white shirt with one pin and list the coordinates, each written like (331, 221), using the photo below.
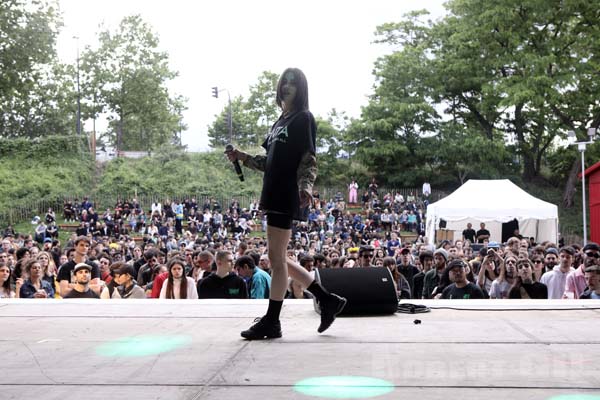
(556, 279)
(177, 285)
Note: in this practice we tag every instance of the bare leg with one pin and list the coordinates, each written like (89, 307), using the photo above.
(299, 273)
(278, 239)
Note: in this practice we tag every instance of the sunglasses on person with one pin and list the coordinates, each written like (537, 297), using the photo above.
(513, 262)
(590, 254)
(369, 255)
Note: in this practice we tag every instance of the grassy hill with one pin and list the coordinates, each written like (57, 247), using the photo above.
(35, 174)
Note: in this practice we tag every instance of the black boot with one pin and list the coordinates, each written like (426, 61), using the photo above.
(263, 329)
(331, 306)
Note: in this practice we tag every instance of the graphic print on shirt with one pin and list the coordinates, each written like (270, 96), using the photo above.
(279, 134)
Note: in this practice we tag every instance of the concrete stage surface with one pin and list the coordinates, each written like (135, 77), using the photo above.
(150, 349)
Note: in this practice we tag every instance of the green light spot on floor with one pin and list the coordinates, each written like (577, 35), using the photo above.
(576, 397)
(344, 387)
(140, 346)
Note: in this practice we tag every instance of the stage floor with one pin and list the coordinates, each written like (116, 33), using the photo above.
(150, 349)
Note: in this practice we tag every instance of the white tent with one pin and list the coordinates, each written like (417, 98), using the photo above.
(493, 202)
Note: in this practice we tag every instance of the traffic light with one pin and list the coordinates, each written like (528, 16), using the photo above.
(215, 91)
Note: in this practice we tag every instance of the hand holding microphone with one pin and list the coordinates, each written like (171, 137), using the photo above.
(233, 155)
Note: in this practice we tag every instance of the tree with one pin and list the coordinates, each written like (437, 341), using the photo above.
(126, 77)
(252, 118)
(35, 91)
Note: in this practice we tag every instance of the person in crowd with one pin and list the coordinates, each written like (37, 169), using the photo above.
(508, 271)
(289, 174)
(402, 286)
(259, 282)
(109, 291)
(576, 282)
(490, 269)
(151, 257)
(264, 263)
(49, 268)
(538, 266)
(482, 234)
(469, 233)
(365, 257)
(82, 273)
(556, 279)
(460, 288)
(353, 192)
(426, 261)
(202, 265)
(223, 283)
(128, 288)
(551, 257)
(592, 278)
(34, 286)
(432, 278)
(66, 273)
(407, 268)
(525, 286)
(177, 285)
(6, 291)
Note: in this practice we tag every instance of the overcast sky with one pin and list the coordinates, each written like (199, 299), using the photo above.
(228, 43)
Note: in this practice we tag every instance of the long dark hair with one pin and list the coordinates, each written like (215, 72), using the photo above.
(183, 286)
(301, 99)
(6, 284)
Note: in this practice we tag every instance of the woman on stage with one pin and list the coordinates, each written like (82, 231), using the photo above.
(290, 169)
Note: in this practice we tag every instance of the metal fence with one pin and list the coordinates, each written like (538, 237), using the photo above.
(27, 211)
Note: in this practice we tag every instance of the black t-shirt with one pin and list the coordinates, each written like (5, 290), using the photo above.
(74, 294)
(470, 291)
(482, 232)
(290, 138)
(469, 234)
(229, 287)
(535, 290)
(65, 272)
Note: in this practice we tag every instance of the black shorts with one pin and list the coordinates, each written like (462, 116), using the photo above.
(280, 221)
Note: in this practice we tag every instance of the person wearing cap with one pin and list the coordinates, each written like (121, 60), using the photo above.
(66, 273)
(407, 269)
(223, 283)
(592, 278)
(460, 288)
(556, 279)
(576, 282)
(550, 259)
(128, 288)
(433, 276)
(109, 291)
(81, 289)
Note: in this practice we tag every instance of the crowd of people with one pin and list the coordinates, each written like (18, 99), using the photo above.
(185, 250)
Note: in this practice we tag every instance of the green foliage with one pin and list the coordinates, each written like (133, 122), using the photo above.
(45, 169)
(36, 93)
(252, 118)
(173, 174)
(127, 77)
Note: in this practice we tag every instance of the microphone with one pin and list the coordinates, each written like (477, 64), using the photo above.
(236, 163)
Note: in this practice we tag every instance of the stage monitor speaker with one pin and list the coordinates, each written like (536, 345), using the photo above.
(369, 291)
(443, 224)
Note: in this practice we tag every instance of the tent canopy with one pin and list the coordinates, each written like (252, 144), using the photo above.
(493, 202)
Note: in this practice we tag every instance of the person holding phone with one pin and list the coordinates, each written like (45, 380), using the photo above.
(290, 170)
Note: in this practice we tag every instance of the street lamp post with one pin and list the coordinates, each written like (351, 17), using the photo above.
(78, 91)
(581, 146)
(215, 91)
